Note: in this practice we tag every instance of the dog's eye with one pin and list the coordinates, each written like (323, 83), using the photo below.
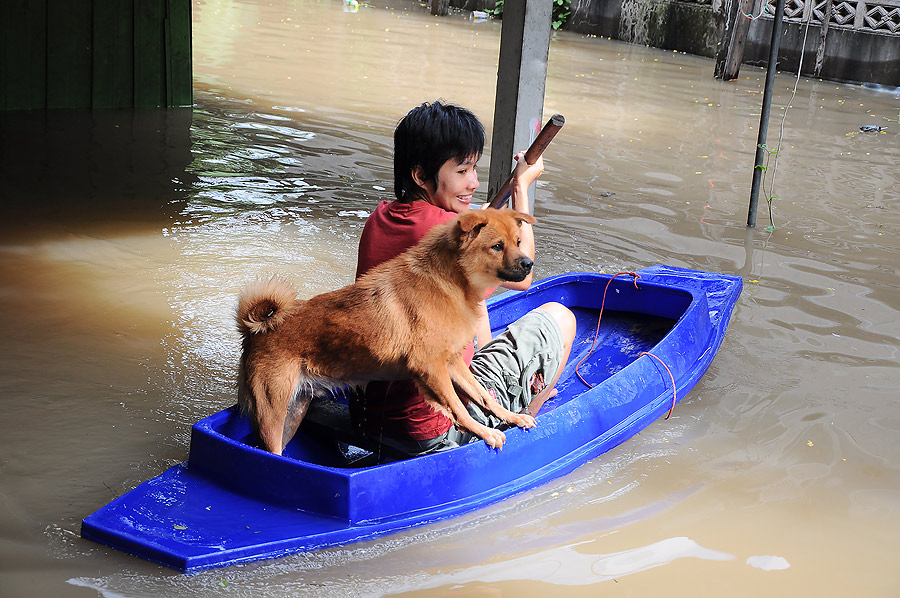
(498, 247)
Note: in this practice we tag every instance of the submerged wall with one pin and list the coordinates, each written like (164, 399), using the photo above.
(862, 41)
(693, 27)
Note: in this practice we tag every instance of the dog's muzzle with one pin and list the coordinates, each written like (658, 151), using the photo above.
(518, 272)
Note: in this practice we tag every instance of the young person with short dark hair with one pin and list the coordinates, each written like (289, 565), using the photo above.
(436, 149)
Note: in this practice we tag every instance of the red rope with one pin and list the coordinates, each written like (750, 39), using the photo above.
(674, 389)
(600, 317)
(597, 334)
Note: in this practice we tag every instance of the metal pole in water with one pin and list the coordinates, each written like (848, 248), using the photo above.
(766, 108)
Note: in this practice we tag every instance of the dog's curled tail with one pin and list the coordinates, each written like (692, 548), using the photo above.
(264, 304)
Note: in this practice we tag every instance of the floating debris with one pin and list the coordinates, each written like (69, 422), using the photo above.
(872, 129)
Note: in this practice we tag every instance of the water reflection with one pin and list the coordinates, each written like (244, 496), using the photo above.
(570, 566)
(69, 166)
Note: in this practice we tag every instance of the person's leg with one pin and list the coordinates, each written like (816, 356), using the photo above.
(413, 448)
(565, 319)
(532, 347)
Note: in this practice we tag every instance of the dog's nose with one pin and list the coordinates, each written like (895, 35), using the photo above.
(527, 263)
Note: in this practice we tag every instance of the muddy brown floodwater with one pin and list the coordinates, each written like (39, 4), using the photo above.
(127, 234)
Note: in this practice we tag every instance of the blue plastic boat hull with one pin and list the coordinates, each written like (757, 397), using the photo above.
(232, 502)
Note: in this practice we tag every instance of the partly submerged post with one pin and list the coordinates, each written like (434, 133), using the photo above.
(521, 80)
(731, 48)
(764, 117)
(823, 34)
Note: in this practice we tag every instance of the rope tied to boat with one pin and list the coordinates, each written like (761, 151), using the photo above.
(671, 377)
(634, 276)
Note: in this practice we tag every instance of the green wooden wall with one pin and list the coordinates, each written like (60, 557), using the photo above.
(95, 54)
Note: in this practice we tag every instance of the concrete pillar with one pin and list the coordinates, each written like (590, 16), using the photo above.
(521, 80)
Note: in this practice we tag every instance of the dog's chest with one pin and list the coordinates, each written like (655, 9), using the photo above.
(457, 325)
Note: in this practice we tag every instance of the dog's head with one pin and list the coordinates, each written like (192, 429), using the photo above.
(489, 242)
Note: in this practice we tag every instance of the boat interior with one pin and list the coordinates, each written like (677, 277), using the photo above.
(327, 438)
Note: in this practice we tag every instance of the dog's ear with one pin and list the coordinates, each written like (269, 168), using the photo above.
(523, 217)
(518, 216)
(471, 223)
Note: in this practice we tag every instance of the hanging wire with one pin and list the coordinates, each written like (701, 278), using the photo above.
(765, 11)
(771, 194)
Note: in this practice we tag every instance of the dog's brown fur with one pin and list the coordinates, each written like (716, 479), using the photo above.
(410, 317)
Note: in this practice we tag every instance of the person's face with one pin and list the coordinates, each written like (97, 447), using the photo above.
(456, 182)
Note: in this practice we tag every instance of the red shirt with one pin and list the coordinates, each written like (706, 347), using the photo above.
(393, 228)
(396, 409)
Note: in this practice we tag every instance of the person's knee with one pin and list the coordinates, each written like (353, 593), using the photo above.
(564, 317)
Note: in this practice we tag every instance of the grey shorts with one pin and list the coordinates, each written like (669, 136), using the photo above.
(505, 367)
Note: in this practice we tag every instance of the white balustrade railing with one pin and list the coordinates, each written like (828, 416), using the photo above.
(881, 16)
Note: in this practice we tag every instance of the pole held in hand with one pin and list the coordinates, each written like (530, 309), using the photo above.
(534, 152)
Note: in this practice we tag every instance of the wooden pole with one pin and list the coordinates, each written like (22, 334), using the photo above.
(731, 50)
(766, 109)
(823, 33)
(540, 143)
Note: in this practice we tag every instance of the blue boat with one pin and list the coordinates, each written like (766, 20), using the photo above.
(232, 502)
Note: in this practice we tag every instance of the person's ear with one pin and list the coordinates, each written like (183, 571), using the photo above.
(418, 176)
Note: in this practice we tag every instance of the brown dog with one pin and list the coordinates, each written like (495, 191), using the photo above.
(408, 318)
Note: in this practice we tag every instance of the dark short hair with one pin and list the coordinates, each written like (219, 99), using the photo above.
(428, 136)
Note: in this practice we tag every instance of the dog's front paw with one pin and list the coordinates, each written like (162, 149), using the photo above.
(522, 420)
(494, 438)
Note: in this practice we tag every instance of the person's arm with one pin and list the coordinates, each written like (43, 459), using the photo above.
(483, 328)
(525, 174)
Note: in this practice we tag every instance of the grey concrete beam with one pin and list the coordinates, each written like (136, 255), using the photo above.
(521, 81)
